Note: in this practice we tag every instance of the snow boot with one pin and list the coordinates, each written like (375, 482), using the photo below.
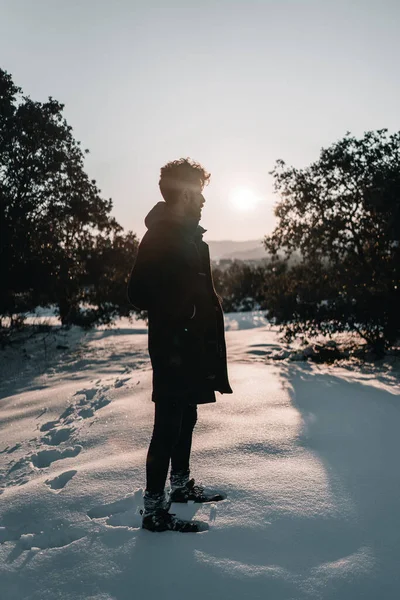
(195, 493)
(157, 518)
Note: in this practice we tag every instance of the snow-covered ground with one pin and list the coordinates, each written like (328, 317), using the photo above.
(307, 454)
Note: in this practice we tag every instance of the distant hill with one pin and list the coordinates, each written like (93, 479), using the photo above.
(247, 250)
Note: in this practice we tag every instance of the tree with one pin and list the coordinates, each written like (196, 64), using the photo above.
(343, 214)
(108, 265)
(240, 285)
(52, 213)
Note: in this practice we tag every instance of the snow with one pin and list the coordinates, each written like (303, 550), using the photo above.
(308, 455)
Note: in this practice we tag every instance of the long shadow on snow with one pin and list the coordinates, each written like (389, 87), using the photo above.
(354, 430)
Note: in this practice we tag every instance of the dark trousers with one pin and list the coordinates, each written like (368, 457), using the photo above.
(171, 442)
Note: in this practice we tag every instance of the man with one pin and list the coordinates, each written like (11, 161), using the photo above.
(172, 280)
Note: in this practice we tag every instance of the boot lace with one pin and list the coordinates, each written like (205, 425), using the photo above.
(195, 488)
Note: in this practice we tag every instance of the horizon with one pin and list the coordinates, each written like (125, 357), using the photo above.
(234, 86)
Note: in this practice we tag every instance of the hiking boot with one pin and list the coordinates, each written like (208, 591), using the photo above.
(195, 493)
(162, 520)
(155, 501)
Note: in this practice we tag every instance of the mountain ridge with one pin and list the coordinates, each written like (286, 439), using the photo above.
(231, 249)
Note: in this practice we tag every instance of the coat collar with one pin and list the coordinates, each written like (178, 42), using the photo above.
(159, 213)
(200, 231)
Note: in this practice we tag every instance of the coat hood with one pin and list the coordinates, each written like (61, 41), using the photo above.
(157, 214)
(160, 212)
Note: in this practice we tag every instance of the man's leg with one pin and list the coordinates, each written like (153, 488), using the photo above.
(166, 432)
(166, 435)
(184, 489)
(180, 455)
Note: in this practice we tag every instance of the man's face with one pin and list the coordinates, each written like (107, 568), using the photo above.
(194, 202)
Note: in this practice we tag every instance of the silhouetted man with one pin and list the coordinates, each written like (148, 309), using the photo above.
(171, 279)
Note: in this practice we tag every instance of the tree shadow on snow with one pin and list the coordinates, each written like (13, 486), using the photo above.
(352, 427)
(66, 355)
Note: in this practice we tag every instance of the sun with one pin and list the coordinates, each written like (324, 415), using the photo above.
(244, 199)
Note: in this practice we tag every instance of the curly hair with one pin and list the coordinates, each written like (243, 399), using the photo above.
(178, 174)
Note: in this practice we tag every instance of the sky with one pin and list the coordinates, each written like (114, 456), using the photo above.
(235, 85)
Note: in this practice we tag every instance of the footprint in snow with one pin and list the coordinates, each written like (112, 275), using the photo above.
(55, 437)
(120, 382)
(84, 409)
(59, 482)
(88, 393)
(100, 402)
(67, 413)
(49, 425)
(121, 513)
(44, 458)
(18, 465)
(88, 411)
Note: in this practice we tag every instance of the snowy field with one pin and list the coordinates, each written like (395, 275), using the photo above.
(308, 455)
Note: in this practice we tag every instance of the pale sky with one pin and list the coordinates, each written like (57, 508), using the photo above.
(232, 84)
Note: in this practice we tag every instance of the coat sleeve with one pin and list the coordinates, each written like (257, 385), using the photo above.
(158, 282)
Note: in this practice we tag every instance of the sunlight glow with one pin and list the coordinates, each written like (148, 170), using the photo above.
(244, 199)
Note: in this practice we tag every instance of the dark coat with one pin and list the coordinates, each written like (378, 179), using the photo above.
(172, 280)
